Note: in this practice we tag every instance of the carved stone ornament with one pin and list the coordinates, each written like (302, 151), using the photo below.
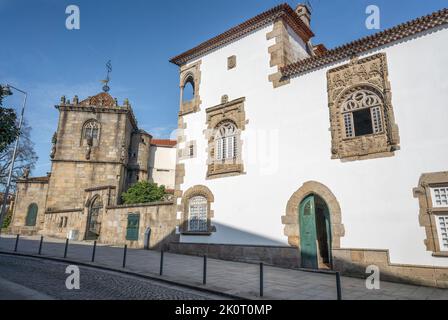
(361, 84)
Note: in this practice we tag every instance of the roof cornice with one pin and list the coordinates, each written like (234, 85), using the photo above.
(376, 40)
(283, 11)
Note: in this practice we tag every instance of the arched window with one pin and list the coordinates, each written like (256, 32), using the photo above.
(91, 129)
(188, 89)
(226, 142)
(362, 112)
(31, 215)
(197, 208)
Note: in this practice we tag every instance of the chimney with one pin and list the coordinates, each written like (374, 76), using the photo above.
(304, 13)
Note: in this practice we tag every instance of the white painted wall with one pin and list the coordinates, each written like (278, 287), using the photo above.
(287, 142)
(162, 165)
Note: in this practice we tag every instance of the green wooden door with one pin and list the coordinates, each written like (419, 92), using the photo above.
(31, 215)
(132, 228)
(308, 233)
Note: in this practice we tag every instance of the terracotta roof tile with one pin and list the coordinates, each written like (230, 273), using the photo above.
(163, 142)
(387, 36)
(103, 99)
(283, 11)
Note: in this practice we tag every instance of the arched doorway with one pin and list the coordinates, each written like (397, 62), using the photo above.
(31, 215)
(315, 233)
(323, 201)
(93, 223)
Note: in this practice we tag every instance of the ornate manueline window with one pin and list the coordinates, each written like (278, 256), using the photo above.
(432, 194)
(91, 132)
(225, 122)
(361, 113)
(197, 220)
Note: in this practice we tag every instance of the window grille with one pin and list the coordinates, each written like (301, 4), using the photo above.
(197, 214)
(440, 197)
(442, 228)
(226, 142)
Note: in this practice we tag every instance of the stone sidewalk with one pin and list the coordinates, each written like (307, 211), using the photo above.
(234, 278)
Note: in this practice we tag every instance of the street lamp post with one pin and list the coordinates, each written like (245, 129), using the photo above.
(6, 90)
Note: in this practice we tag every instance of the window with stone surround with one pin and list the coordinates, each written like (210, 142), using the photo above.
(225, 122)
(361, 113)
(90, 130)
(226, 142)
(196, 211)
(197, 220)
(432, 193)
(190, 79)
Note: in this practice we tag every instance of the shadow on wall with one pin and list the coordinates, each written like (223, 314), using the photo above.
(226, 234)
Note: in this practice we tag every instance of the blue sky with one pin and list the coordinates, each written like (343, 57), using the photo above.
(39, 55)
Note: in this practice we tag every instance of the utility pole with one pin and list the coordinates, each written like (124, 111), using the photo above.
(6, 90)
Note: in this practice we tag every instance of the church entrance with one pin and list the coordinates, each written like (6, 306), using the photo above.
(315, 233)
(93, 223)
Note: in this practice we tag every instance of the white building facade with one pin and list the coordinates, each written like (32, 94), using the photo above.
(296, 155)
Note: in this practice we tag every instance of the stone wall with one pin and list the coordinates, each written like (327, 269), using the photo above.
(159, 216)
(28, 192)
(52, 227)
(69, 180)
(354, 262)
(279, 256)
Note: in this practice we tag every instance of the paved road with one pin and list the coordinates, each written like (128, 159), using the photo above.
(29, 278)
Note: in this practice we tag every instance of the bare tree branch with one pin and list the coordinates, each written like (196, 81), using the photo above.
(26, 158)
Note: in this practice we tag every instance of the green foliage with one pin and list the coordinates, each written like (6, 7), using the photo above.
(8, 127)
(7, 219)
(143, 192)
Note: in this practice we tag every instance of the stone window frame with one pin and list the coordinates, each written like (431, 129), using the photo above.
(198, 190)
(227, 111)
(369, 74)
(83, 130)
(190, 73)
(428, 212)
(185, 153)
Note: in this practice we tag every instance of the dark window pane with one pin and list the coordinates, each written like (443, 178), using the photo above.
(363, 122)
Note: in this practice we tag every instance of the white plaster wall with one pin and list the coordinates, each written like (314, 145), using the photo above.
(298, 45)
(162, 165)
(287, 142)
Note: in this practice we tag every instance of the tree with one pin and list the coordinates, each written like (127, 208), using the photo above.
(8, 126)
(26, 158)
(143, 192)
